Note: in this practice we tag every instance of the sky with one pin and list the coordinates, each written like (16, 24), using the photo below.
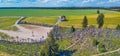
(59, 3)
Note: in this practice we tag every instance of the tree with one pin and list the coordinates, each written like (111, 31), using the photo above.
(85, 22)
(98, 12)
(100, 20)
(72, 29)
(118, 27)
(50, 47)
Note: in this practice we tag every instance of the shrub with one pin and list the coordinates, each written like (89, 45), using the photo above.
(101, 47)
(95, 42)
(98, 12)
(118, 27)
(72, 29)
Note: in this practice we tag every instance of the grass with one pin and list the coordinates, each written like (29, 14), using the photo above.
(110, 20)
(88, 50)
(5, 36)
(41, 20)
(7, 23)
(66, 41)
(112, 54)
(75, 18)
(20, 49)
(49, 12)
(49, 17)
(5, 54)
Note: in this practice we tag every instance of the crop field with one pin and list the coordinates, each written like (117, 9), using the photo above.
(111, 19)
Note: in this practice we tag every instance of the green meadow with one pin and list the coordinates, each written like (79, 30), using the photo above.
(50, 12)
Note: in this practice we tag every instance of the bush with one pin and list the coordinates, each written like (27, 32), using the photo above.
(95, 42)
(101, 47)
(72, 29)
(98, 12)
(102, 50)
(118, 27)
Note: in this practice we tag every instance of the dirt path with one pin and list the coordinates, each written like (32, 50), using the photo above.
(107, 52)
(38, 33)
(59, 20)
(82, 43)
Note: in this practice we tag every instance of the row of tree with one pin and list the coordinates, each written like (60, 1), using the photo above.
(100, 21)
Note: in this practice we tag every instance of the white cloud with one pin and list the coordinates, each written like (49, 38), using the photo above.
(99, 3)
(46, 1)
(113, 1)
(63, 0)
(86, 1)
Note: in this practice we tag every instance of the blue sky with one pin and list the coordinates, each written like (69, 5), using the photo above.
(59, 3)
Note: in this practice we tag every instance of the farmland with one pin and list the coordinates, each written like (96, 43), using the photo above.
(50, 12)
(48, 17)
(111, 18)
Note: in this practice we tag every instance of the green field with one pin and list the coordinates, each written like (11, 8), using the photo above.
(49, 12)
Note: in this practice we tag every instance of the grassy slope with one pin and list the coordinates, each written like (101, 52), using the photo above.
(88, 50)
(7, 23)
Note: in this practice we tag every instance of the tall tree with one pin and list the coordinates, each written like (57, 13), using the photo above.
(85, 22)
(100, 20)
(50, 47)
